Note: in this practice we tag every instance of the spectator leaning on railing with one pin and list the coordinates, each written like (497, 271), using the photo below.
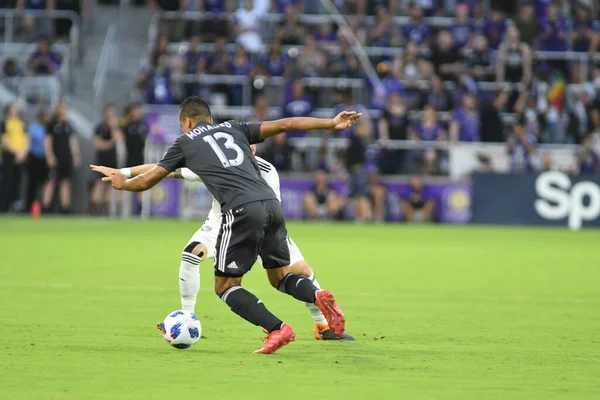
(463, 29)
(480, 60)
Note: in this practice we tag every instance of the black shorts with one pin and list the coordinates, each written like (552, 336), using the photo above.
(248, 231)
(62, 171)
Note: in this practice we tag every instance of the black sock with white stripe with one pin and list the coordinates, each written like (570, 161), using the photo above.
(299, 287)
(249, 307)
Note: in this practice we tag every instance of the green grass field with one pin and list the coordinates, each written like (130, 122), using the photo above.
(439, 313)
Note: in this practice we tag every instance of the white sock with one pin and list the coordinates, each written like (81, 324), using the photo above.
(189, 280)
(314, 310)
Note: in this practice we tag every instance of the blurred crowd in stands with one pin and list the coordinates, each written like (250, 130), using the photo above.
(523, 73)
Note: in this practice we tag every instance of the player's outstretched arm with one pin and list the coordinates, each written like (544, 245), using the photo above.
(138, 184)
(342, 121)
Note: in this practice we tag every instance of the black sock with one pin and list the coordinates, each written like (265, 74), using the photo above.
(249, 307)
(299, 287)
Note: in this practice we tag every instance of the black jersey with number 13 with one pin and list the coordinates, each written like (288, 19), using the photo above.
(220, 155)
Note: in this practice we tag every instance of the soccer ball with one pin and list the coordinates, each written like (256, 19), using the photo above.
(181, 329)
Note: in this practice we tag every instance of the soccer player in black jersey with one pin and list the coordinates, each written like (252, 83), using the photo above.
(253, 221)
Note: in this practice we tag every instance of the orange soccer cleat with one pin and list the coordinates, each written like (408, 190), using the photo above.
(332, 312)
(277, 339)
(322, 332)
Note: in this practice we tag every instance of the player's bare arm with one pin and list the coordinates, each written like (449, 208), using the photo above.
(342, 121)
(133, 171)
(138, 184)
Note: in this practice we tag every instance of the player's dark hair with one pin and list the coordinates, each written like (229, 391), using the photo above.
(195, 108)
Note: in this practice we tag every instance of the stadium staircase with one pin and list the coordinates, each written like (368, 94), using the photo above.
(129, 42)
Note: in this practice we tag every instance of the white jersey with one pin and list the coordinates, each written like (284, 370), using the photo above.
(267, 172)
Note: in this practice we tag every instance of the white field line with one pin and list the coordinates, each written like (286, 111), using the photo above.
(403, 295)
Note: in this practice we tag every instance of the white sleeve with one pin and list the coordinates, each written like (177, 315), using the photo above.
(272, 178)
(188, 175)
(270, 175)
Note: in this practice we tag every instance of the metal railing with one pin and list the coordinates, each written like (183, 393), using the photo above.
(104, 64)
(10, 15)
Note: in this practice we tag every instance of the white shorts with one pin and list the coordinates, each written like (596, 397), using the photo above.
(209, 231)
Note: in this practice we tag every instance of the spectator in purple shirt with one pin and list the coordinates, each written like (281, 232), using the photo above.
(44, 61)
(521, 148)
(384, 32)
(463, 29)
(541, 7)
(585, 33)
(275, 62)
(465, 125)
(588, 161)
(155, 80)
(326, 35)
(240, 65)
(494, 27)
(194, 63)
(281, 5)
(475, 7)
(216, 23)
(585, 37)
(429, 129)
(553, 36)
(417, 30)
(299, 105)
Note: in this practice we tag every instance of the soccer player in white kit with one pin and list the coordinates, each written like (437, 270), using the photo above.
(206, 238)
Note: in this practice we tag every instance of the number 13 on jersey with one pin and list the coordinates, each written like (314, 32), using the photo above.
(213, 141)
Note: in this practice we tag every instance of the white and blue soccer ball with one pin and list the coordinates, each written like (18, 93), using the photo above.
(181, 329)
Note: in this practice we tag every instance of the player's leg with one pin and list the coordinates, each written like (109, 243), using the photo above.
(236, 250)
(200, 247)
(275, 255)
(96, 195)
(48, 191)
(65, 195)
